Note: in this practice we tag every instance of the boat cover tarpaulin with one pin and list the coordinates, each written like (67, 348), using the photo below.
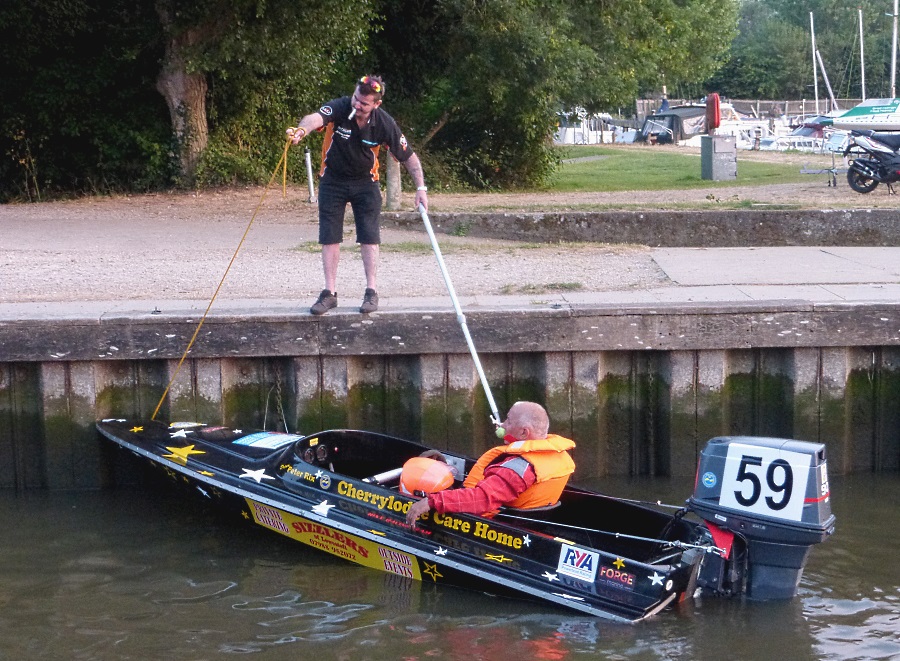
(674, 125)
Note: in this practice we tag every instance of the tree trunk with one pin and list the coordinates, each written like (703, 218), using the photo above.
(393, 183)
(441, 123)
(185, 94)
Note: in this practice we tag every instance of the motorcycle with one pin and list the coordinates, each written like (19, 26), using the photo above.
(875, 160)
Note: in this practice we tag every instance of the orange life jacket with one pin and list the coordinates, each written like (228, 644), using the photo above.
(552, 466)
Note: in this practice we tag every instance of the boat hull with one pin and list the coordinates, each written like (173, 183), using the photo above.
(294, 486)
(872, 114)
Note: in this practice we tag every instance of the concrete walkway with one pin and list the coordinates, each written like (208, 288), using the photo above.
(95, 263)
(707, 275)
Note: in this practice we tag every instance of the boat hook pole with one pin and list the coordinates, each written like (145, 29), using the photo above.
(460, 317)
(670, 542)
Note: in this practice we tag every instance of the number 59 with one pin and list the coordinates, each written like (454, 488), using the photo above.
(747, 472)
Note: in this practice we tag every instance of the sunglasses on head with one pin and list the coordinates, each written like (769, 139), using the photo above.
(377, 87)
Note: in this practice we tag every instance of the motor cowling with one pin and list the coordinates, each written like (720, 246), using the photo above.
(774, 494)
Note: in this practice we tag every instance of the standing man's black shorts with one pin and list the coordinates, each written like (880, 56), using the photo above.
(364, 197)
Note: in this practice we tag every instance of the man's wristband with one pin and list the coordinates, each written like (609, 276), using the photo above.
(422, 188)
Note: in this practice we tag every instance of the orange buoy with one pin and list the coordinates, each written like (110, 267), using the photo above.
(421, 475)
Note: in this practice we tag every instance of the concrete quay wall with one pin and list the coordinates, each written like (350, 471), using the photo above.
(761, 227)
(640, 389)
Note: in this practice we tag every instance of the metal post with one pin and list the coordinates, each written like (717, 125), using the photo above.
(309, 176)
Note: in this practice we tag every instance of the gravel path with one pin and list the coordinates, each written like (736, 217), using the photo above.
(178, 245)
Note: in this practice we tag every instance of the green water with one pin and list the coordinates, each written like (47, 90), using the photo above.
(137, 574)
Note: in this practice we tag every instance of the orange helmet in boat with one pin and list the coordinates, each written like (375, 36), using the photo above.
(422, 475)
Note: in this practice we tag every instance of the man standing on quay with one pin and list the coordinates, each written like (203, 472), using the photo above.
(355, 129)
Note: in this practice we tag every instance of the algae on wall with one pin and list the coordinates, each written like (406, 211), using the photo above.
(629, 412)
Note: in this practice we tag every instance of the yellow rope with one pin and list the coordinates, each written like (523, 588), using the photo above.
(287, 145)
(284, 171)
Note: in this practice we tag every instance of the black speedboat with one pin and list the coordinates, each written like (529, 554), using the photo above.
(758, 507)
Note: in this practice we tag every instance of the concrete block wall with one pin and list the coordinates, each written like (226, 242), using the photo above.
(631, 412)
(640, 390)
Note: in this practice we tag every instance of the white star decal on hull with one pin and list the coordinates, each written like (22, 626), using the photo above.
(258, 475)
(656, 579)
(181, 433)
(322, 508)
(526, 540)
(440, 551)
(570, 597)
(550, 577)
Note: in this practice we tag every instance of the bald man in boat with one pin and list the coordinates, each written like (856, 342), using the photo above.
(530, 470)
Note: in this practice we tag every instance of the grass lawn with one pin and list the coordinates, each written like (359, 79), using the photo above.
(642, 167)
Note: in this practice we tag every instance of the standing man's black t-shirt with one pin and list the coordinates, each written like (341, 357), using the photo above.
(350, 152)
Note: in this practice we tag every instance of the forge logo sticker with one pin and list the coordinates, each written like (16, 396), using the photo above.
(578, 563)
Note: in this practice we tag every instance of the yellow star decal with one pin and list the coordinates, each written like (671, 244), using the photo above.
(245, 515)
(207, 473)
(432, 570)
(619, 563)
(499, 558)
(375, 532)
(137, 429)
(181, 454)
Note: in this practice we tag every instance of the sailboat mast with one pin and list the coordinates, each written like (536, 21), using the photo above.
(812, 33)
(862, 56)
(834, 104)
(894, 56)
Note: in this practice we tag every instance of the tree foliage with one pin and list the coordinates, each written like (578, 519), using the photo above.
(481, 81)
(77, 106)
(639, 46)
(264, 60)
(772, 55)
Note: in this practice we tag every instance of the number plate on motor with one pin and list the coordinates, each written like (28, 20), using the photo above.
(765, 481)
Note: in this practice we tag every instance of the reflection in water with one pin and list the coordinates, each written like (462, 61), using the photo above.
(854, 609)
(133, 574)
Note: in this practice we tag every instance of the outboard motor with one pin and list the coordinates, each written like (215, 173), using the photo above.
(773, 495)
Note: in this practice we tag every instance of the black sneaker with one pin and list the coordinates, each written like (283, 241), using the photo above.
(370, 301)
(326, 301)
